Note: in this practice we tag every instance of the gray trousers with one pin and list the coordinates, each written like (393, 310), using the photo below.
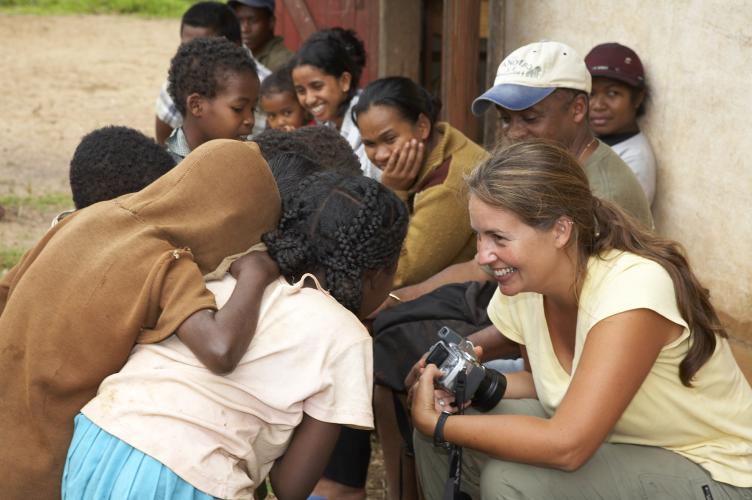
(616, 471)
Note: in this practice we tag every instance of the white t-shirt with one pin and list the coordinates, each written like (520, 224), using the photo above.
(710, 423)
(222, 433)
(637, 153)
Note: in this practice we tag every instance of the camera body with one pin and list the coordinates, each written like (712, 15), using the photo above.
(453, 354)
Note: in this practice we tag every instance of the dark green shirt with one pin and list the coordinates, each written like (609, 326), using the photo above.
(274, 54)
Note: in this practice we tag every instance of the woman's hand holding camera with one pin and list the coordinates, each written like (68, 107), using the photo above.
(426, 400)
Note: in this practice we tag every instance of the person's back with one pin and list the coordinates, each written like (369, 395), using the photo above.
(247, 417)
(123, 271)
(222, 434)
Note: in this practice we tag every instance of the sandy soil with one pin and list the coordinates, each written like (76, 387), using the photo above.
(61, 78)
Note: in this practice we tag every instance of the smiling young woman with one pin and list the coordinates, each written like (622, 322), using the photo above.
(325, 72)
(630, 383)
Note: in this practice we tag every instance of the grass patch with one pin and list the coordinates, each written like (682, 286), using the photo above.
(148, 8)
(9, 257)
(43, 202)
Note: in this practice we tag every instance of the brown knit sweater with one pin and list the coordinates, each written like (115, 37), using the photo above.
(439, 233)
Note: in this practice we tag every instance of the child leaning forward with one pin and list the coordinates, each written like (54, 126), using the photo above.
(121, 272)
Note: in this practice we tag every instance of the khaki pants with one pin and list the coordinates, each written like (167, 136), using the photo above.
(616, 471)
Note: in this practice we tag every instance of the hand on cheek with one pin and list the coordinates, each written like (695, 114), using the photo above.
(403, 166)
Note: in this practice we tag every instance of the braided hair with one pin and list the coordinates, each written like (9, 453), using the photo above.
(337, 227)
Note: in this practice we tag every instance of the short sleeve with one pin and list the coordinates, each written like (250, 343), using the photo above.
(641, 284)
(504, 317)
(345, 397)
(182, 292)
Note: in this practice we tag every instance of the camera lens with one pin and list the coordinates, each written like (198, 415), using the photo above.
(490, 390)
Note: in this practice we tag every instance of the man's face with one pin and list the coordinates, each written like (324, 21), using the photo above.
(556, 118)
(256, 26)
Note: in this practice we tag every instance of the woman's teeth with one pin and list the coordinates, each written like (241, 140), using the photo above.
(504, 272)
(317, 110)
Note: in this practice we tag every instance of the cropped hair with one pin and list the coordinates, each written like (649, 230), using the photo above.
(540, 182)
(331, 150)
(113, 161)
(401, 93)
(218, 17)
(278, 82)
(322, 144)
(289, 170)
(337, 227)
(202, 65)
(334, 51)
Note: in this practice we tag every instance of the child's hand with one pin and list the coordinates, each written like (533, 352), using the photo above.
(403, 166)
(263, 267)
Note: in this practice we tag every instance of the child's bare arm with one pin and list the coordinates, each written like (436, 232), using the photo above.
(294, 475)
(219, 339)
(162, 131)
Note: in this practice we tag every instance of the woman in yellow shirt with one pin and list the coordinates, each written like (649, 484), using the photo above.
(630, 388)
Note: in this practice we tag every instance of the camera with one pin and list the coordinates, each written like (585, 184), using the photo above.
(453, 354)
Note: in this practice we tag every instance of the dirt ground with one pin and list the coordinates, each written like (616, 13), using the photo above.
(61, 78)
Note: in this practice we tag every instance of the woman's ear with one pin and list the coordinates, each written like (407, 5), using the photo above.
(563, 228)
(423, 126)
(195, 104)
(345, 80)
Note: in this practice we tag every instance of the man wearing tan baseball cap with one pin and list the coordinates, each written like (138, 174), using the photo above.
(541, 90)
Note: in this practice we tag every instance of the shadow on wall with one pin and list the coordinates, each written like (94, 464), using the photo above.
(738, 331)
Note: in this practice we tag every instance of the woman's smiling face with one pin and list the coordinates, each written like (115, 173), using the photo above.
(319, 93)
(522, 257)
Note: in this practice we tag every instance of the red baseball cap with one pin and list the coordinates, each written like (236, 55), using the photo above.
(613, 60)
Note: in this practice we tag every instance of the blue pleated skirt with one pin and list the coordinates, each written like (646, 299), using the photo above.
(100, 466)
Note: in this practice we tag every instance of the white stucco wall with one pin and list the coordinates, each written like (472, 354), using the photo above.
(698, 60)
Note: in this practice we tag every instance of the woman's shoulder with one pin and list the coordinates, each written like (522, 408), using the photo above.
(625, 268)
(619, 280)
(616, 260)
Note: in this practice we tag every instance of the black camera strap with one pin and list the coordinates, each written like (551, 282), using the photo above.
(452, 485)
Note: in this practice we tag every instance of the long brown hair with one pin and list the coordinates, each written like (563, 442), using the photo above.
(540, 182)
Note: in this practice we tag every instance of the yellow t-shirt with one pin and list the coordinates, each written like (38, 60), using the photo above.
(710, 423)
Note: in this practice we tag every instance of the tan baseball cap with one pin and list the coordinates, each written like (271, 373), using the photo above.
(531, 73)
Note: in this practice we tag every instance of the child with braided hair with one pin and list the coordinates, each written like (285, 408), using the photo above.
(165, 427)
